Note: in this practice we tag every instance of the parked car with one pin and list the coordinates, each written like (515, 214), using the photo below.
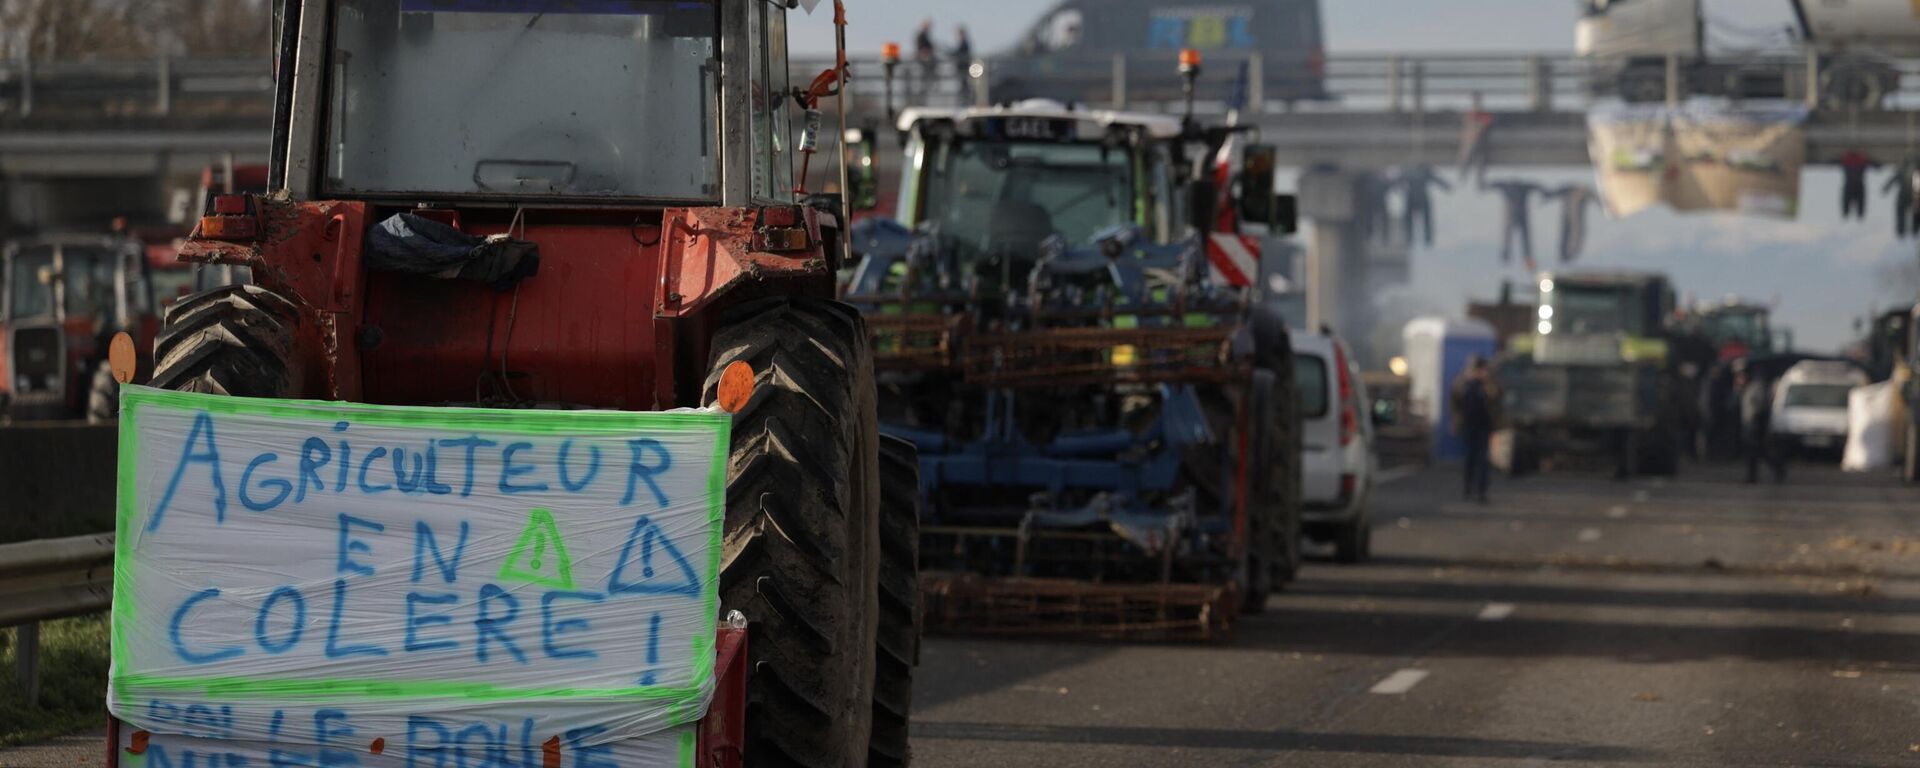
(1810, 405)
(1336, 445)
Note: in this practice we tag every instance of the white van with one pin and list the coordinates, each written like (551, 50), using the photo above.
(1336, 445)
(1810, 405)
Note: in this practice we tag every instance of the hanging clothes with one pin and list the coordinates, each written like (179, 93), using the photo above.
(1574, 201)
(1474, 127)
(1375, 217)
(1901, 186)
(1854, 165)
(1414, 184)
(1514, 223)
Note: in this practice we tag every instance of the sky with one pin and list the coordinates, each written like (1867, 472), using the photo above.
(1823, 272)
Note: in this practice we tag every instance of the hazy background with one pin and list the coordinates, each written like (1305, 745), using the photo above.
(1826, 272)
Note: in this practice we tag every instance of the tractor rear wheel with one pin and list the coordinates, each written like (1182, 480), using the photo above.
(231, 340)
(898, 649)
(801, 546)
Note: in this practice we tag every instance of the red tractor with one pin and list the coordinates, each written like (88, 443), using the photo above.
(65, 297)
(588, 204)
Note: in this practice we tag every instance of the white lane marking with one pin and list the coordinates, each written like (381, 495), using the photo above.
(1616, 512)
(1397, 474)
(1495, 611)
(1589, 535)
(1399, 682)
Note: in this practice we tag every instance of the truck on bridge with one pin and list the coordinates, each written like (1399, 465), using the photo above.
(1631, 41)
(1071, 53)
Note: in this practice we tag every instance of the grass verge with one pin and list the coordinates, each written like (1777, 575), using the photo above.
(73, 681)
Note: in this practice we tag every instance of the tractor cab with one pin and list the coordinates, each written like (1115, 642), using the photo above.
(65, 296)
(640, 156)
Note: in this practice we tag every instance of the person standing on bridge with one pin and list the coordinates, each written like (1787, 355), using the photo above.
(962, 65)
(1474, 402)
(928, 57)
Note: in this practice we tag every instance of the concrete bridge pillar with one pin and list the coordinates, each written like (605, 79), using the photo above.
(1336, 277)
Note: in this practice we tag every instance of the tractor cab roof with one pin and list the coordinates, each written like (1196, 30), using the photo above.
(1046, 120)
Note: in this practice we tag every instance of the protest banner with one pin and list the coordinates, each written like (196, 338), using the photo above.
(315, 579)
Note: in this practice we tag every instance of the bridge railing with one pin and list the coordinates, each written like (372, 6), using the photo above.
(135, 87)
(1363, 82)
(1397, 82)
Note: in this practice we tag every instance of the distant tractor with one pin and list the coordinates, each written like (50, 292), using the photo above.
(516, 204)
(65, 298)
(1595, 378)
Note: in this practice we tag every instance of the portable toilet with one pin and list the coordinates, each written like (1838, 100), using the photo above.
(1437, 351)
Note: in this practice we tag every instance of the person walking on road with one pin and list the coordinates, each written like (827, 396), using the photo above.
(1475, 398)
(1756, 418)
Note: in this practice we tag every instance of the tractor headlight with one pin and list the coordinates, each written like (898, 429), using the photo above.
(1546, 327)
(1546, 285)
(1546, 312)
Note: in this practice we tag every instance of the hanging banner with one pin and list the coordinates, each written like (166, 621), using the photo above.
(429, 586)
(1699, 158)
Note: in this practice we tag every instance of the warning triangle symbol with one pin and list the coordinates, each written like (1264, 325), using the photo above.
(663, 569)
(539, 557)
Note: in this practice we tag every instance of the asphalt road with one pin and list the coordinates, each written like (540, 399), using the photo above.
(1575, 620)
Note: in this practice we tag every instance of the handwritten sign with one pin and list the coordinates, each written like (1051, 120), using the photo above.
(302, 573)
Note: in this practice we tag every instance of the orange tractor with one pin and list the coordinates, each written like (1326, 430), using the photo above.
(589, 204)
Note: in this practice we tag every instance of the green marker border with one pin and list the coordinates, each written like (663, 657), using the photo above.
(127, 685)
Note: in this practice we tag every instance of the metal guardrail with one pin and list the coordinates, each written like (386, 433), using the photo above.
(50, 579)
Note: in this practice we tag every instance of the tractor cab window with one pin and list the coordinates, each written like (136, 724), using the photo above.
(1016, 191)
(83, 274)
(29, 282)
(588, 98)
(1593, 310)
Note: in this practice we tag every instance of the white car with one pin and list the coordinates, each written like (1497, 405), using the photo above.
(1336, 445)
(1810, 405)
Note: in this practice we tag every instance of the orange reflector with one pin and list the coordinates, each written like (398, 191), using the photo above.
(121, 359)
(736, 387)
(1189, 58)
(378, 746)
(890, 53)
(138, 744)
(550, 753)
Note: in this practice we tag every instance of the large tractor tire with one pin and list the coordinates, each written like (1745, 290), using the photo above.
(1273, 351)
(103, 395)
(801, 546)
(1273, 547)
(898, 649)
(231, 340)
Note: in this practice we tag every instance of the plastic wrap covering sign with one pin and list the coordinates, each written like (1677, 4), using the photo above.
(1699, 158)
(332, 584)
